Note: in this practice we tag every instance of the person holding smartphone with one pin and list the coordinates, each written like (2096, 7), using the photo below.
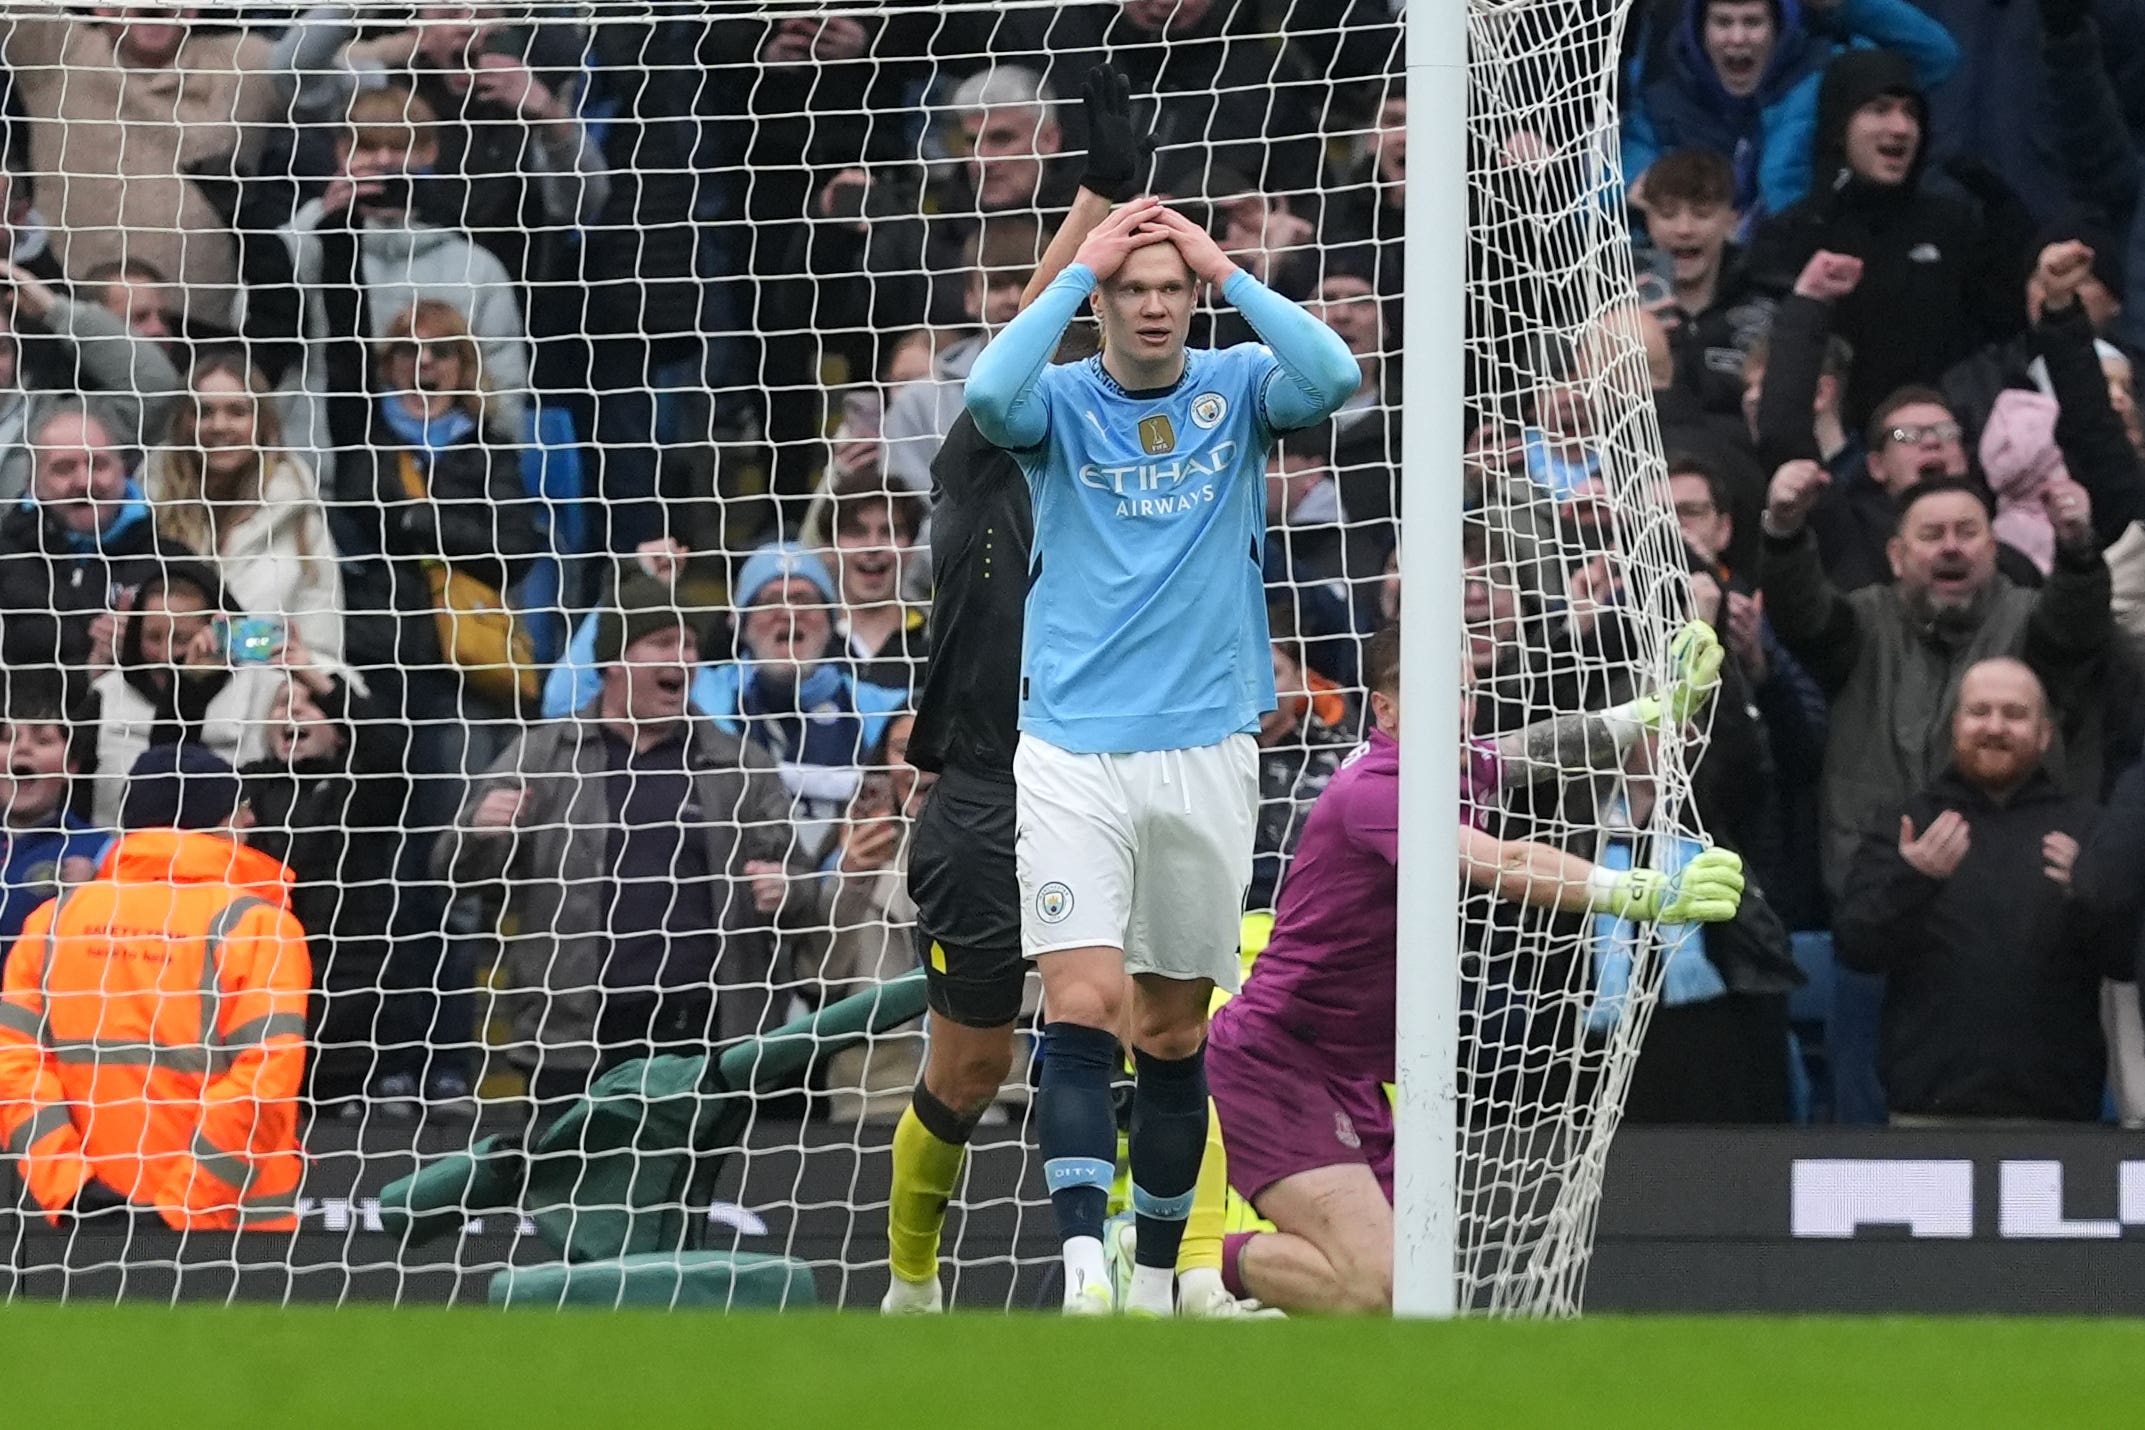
(508, 102)
(225, 485)
(190, 668)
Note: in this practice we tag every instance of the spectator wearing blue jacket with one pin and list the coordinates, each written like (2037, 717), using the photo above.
(1741, 77)
(789, 692)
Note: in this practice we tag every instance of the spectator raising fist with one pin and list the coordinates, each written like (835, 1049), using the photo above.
(1828, 277)
(803, 39)
(501, 809)
(663, 558)
(2070, 512)
(770, 881)
(509, 83)
(2062, 268)
(1795, 492)
(1938, 851)
(1746, 621)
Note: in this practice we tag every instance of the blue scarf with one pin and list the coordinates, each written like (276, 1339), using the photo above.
(813, 723)
(1552, 472)
(134, 513)
(1688, 976)
(429, 435)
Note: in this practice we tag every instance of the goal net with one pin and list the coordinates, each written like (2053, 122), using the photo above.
(414, 409)
(1577, 577)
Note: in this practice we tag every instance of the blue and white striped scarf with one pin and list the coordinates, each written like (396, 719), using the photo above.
(1688, 976)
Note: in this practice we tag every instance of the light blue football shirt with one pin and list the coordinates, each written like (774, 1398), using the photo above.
(1147, 617)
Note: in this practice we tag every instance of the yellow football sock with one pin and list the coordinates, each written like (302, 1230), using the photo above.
(926, 1167)
(1210, 1204)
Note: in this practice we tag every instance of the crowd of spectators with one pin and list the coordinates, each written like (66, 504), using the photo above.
(358, 374)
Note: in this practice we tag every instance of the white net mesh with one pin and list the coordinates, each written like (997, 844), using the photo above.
(437, 339)
(1577, 579)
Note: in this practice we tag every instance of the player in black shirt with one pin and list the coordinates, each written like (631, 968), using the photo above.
(961, 871)
(982, 533)
(967, 725)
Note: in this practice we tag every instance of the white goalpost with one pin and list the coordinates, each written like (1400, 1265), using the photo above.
(1426, 1197)
(377, 383)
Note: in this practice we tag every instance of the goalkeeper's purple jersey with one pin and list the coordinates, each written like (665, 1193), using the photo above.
(1324, 987)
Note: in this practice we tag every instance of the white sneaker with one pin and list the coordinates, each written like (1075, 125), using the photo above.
(1120, 1240)
(1087, 1296)
(912, 1298)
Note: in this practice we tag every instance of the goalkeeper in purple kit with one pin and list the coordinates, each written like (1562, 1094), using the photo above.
(1297, 1065)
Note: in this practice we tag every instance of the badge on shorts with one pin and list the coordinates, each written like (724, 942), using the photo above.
(1053, 902)
(1157, 437)
(1208, 409)
(1344, 1132)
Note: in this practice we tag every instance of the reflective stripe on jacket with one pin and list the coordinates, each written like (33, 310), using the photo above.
(152, 1035)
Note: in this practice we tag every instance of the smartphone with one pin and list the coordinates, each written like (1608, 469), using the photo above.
(251, 640)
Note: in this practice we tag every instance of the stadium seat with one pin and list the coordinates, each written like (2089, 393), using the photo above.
(437, 1199)
(1802, 1086)
(1811, 1004)
(1851, 1041)
(1809, 1008)
(611, 1179)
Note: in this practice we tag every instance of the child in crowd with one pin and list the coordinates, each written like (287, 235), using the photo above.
(43, 842)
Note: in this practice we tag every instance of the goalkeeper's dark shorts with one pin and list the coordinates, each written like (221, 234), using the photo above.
(967, 893)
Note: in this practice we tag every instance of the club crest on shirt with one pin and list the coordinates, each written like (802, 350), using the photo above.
(1053, 902)
(1157, 437)
(1208, 409)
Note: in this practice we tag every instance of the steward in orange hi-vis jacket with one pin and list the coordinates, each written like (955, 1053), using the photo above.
(152, 1020)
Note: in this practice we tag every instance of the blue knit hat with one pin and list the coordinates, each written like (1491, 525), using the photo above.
(782, 561)
(180, 787)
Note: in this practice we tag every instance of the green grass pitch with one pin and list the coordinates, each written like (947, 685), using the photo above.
(383, 1367)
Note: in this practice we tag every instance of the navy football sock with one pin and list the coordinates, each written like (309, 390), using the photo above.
(1169, 1137)
(1075, 1125)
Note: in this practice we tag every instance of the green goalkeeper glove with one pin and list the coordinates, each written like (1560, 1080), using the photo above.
(1708, 890)
(1696, 656)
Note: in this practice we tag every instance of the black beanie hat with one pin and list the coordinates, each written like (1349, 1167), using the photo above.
(180, 787)
(644, 605)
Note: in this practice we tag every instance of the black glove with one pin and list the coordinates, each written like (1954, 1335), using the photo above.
(1118, 155)
(2064, 17)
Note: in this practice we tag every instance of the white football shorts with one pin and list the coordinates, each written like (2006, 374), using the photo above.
(1147, 852)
